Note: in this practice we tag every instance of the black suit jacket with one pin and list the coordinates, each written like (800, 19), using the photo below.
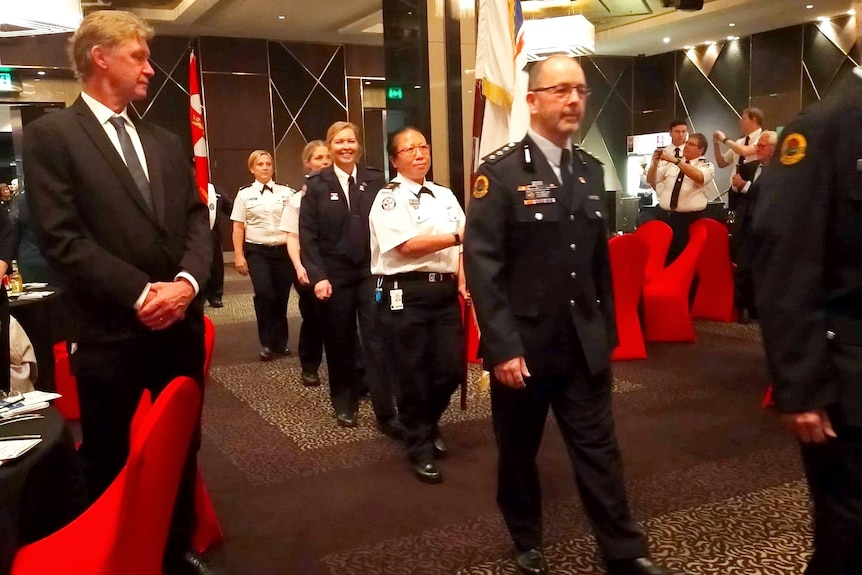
(540, 274)
(328, 249)
(96, 231)
(808, 263)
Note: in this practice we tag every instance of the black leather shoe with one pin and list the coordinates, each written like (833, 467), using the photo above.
(283, 350)
(346, 419)
(440, 449)
(532, 562)
(310, 379)
(391, 428)
(191, 564)
(266, 354)
(427, 472)
(216, 302)
(639, 566)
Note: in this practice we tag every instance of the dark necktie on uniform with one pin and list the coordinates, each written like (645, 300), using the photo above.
(265, 189)
(741, 161)
(132, 160)
(676, 153)
(424, 190)
(677, 186)
(566, 172)
(353, 196)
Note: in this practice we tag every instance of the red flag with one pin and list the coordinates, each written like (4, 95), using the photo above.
(199, 141)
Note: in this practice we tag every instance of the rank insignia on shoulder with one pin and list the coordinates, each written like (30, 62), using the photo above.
(480, 188)
(793, 149)
(500, 152)
(392, 185)
(387, 203)
(582, 152)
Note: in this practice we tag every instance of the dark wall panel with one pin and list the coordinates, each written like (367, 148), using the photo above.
(233, 55)
(731, 72)
(653, 100)
(238, 111)
(48, 50)
(776, 61)
(365, 61)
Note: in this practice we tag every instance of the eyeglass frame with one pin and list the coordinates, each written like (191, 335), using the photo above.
(583, 91)
(426, 148)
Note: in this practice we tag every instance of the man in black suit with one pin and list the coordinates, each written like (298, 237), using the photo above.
(219, 206)
(122, 225)
(335, 250)
(808, 276)
(746, 185)
(537, 265)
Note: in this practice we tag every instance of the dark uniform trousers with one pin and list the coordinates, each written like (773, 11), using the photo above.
(425, 347)
(272, 274)
(679, 223)
(310, 336)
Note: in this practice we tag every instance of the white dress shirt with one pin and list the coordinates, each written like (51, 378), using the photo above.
(552, 152)
(261, 210)
(692, 196)
(342, 179)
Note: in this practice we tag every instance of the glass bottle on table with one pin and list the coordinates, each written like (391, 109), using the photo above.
(15, 280)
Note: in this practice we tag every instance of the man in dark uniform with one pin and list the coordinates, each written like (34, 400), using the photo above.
(808, 278)
(220, 206)
(536, 260)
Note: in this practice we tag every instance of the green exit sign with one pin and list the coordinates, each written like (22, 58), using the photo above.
(5, 81)
(394, 93)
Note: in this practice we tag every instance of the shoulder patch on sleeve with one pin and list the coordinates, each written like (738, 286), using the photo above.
(500, 152)
(388, 202)
(480, 187)
(793, 149)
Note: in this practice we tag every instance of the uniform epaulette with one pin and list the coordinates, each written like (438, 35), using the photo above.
(582, 152)
(313, 174)
(501, 152)
(241, 188)
(390, 186)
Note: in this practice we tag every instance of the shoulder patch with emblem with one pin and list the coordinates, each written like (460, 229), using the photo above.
(480, 188)
(387, 203)
(501, 152)
(793, 149)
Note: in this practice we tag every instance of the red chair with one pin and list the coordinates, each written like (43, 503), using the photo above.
(666, 310)
(657, 235)
(67, 386)
(125, 530)
(714, 297)
(207, 530)
(768, 400)
(629, 255)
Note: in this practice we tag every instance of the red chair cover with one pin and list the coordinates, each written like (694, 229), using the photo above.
(666, 310)
(714, 298)
(628, 255)
(657, 236)
(125, 530)
(66, 383)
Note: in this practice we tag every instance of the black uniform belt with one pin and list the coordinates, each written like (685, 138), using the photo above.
(430, 277)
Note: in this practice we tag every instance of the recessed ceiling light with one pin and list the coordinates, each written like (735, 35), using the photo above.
(851, 12)
(417, 86)
(809, 6)
(367, 83)
(41, 72)
(666, 40)
(732, 24)
(281, 17)
(710, 43)
(822, 19)
(687, 47)
(732, 38)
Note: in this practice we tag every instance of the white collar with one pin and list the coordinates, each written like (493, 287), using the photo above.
(342, 175)
(550, 150)
(408, 184)
(259, 187)
(104, 113)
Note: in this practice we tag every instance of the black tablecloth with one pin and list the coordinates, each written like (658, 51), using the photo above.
(43, 490)
(40, 320)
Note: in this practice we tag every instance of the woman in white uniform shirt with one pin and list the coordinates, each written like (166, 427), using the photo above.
(315, 157)
(416, 229)
(260, 251)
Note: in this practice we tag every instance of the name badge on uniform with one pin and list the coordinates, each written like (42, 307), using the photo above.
(414, 203)
(333, 196)
(396, 299)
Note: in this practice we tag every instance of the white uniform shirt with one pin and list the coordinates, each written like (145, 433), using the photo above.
(402, 213)
(692, 197)
(290, 217)
(670, 150)
(732, 157)
(261, 210)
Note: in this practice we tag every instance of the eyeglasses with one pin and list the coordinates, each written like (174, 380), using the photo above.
(561, 91)
(411, 151)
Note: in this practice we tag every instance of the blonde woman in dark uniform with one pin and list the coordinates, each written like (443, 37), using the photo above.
(416, 228)
(260, 251)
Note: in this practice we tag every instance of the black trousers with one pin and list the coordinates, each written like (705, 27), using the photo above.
(582, 406)
(743, 277)
(834, 473)
(111, 377)
(678, 222)
(425, 347)
(310, 336)
(272, 274)
(5, 375)
(352, 300)
(215, 284)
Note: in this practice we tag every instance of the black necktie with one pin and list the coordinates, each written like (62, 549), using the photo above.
(566, 171)
(353, 195)
(265, 189)
(424, 190)
(676, 153)
(741, 157)
(677, 186)
(132, 160)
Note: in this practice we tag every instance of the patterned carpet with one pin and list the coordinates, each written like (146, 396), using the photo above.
(712, 478)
